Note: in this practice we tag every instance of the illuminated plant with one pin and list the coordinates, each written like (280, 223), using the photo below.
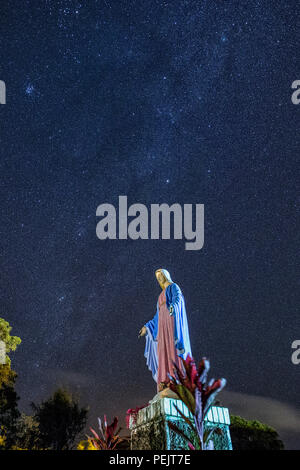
(193, 388)
(108, 438)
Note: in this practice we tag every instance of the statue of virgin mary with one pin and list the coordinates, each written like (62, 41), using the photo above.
(167, 334)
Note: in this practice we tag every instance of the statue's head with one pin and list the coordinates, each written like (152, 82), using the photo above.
(163, 276)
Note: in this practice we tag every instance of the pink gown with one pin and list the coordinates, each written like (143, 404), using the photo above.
(166, 351)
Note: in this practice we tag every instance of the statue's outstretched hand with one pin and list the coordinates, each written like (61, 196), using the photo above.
(142, 332)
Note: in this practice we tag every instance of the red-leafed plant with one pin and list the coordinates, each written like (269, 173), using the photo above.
(193, 388)
(108, 438)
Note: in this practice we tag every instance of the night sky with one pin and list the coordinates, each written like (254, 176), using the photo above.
(179, 101)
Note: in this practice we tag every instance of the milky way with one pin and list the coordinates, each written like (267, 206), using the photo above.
(186, 102)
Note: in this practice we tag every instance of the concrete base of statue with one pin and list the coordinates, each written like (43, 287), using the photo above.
(151, 431)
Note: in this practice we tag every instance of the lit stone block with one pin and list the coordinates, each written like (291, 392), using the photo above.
(151, 430)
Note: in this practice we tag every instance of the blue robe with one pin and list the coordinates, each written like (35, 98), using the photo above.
(175, 298)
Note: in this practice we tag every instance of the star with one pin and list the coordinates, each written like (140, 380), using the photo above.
(29, 89)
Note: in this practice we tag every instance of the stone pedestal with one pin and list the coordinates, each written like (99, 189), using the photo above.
(151, 430)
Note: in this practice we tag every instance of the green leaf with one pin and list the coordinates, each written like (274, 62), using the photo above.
(187, 397)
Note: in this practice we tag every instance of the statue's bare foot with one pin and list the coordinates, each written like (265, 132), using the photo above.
(168, 393)
(162, 386)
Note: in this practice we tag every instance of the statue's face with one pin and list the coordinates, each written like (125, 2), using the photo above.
(160, 277)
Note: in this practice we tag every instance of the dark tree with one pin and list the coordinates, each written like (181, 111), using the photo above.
(60, 420)
(253, 435)
(9, 413)
(28, 433)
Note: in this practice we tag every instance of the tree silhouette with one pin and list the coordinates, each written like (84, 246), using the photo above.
(253, 435)
(9, 413)
(60, 420)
